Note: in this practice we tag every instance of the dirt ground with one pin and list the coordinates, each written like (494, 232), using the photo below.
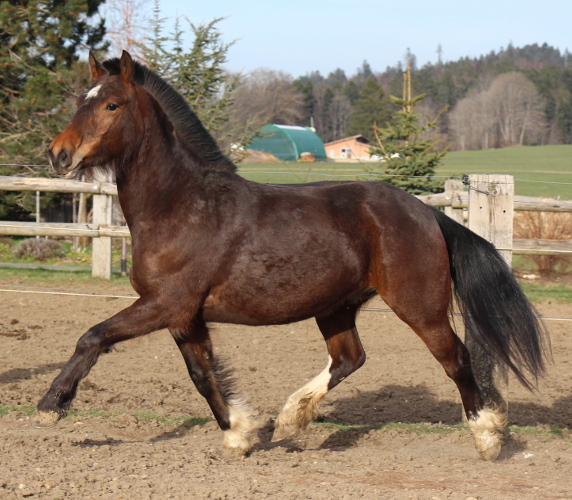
(107, 452)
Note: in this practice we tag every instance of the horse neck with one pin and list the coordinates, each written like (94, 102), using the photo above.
(164, 169)
(157, 178)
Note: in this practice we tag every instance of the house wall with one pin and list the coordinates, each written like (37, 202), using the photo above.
(359, 150)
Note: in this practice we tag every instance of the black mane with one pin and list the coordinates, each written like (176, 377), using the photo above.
(189, 128)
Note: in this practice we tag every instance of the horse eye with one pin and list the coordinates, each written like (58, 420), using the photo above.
(111, 106)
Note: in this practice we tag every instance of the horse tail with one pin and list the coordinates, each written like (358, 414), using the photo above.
(496, 313)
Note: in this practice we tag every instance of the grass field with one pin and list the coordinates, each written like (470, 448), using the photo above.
(538, 171)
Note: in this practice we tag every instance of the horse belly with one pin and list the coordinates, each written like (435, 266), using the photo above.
(282, 297)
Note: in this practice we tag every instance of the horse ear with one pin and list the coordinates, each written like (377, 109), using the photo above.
(95, 67)
(126, 67)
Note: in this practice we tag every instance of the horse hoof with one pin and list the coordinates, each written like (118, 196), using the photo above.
(491, 453)
(488, 444)
(283, 432)
(41, 419)
(236, 445)
(486, 431)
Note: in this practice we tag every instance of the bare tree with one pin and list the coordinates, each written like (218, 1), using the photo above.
(268, 96)
(339, 113)
(472, 122)
(519, 109)
(126, 22)
(508, 111)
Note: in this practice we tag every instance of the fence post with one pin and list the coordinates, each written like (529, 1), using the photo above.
(452, 187)
(491, 211)
(101, 247)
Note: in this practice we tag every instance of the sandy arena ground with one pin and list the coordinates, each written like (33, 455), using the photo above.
(118, 455)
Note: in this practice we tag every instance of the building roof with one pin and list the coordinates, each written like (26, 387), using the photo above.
(288, 142)
(357, 138)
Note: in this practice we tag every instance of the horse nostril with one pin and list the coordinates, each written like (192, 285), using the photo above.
(64, 159)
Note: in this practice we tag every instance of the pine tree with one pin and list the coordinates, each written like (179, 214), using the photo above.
(198, 74)
(40, 78)
(351, 91)
(408, 152)
(370, 107)
(305, 86)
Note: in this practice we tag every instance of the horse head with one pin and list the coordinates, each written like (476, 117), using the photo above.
(106, 125)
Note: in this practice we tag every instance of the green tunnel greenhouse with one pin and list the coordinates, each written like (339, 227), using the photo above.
(288, 142)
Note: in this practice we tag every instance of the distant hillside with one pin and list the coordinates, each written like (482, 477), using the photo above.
(338, 103)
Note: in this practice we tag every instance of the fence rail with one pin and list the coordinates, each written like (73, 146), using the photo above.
(454, 199)
(63, 229)
(8, 183)
(460, 199)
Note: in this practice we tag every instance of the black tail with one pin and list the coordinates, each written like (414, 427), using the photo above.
(497, 314)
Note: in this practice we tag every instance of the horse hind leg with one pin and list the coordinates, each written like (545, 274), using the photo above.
(345, 355)
(416, 284)
(215, 383)
(484, 422)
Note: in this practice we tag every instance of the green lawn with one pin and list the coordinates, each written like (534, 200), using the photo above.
(294, 172)
(549, 166)
(72, 261)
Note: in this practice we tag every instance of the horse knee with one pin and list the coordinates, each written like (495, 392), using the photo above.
(89, 342)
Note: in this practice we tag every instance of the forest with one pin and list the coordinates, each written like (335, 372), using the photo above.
(513, 96)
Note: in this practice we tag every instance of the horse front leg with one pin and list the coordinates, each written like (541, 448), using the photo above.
(215, 383)
(141, 318)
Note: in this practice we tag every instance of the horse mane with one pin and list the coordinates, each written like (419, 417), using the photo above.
(186, 123)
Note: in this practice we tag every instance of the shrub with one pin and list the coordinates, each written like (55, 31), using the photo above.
(38, 248)
(545, 226)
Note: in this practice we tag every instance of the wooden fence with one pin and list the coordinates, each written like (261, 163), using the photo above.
(489, 199)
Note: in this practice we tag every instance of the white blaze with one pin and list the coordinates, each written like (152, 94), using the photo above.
(93, 92)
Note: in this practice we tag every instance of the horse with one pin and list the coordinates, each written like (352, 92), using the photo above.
(211, 246)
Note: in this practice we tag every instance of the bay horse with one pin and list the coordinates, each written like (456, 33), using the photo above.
(210, 246)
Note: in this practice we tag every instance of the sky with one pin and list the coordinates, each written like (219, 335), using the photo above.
(301, 36)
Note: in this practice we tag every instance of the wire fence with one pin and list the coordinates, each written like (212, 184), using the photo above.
(97, 294)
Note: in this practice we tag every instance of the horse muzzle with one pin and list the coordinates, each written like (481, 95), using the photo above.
(60, 160)
(64, 160)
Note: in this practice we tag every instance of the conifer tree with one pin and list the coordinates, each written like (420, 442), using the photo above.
(198, 74)
(40, 45)
(40, 78)
(408, 152)
(371, 106)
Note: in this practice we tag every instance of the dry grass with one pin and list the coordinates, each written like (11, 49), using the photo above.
(546, 226)
(40, 249)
